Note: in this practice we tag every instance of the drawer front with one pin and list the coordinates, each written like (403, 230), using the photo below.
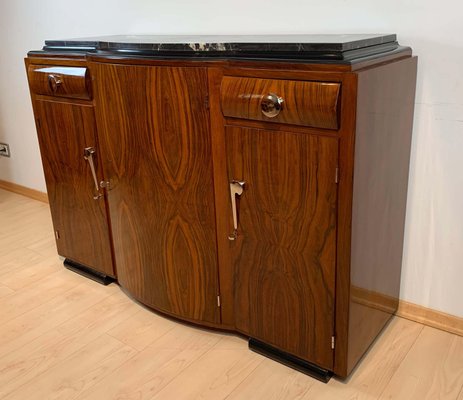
(304, 103)
(60, 81)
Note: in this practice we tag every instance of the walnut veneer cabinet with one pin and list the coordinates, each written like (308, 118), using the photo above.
(255, 185)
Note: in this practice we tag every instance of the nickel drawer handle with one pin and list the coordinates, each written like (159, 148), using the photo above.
(55, 82)
(88, 155)
(236, 189)
(271, 105)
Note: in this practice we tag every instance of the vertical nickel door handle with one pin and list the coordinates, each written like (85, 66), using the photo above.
(88, 155)
(236, 189)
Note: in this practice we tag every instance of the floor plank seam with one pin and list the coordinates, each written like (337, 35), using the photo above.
(178, 374)
(43, 373)
(136, 352)
(240, 383)
(192, 364)
(402, 360)
(16, 292)
(151, 343)
(429, 325)
(51, 329)
(460, 394)
(43, 278)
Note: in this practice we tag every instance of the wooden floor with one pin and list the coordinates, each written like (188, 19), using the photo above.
(65, 337)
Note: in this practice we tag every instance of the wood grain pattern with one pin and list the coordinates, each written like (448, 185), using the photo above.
(279, 127)
(154, 132)
(305, 103)
(74, 81)
(284, 258)
(64, 130)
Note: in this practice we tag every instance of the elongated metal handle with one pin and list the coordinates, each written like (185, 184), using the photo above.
(88, 155)
(236, 189)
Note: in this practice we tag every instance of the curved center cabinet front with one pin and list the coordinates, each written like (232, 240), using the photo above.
(155, 142)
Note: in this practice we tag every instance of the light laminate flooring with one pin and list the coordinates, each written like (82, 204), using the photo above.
(63, 336)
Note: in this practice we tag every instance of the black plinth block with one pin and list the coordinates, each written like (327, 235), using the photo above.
(88, 272)
(289, 360)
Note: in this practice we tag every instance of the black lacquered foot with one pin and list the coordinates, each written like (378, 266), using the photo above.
(88, 272)
(291, 361)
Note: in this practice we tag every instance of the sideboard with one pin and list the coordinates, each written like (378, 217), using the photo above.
(250, 184)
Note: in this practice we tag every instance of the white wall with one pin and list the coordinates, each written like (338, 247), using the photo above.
(433, 256)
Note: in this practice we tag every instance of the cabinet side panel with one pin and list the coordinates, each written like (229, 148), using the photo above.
(382, 155)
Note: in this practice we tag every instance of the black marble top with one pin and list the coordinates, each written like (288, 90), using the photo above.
(307, 47)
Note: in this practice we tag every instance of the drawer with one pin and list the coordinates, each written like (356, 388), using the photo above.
(60, 81)
(304, 103)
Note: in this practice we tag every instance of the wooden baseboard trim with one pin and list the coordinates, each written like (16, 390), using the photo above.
(430, 317)
(24, 191)
(411, 311)
(369, 298)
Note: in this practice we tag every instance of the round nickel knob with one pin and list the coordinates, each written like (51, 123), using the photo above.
(271, 105)
(54, 82)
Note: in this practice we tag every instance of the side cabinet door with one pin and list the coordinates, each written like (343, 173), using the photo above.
(284, 251)
(154, 133)
(79, 220)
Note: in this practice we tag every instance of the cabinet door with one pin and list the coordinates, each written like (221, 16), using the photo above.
(284, 252)
(155, 139)
(79, 220)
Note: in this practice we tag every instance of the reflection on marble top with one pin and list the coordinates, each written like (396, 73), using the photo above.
(316, 47)
(304, 42)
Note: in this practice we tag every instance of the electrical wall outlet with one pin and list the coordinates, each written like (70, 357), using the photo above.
(4, 150)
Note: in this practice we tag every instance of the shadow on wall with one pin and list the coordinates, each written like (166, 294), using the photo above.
(432, 271)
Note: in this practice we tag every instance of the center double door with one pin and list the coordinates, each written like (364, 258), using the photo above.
(155, 144)
(153, 126)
